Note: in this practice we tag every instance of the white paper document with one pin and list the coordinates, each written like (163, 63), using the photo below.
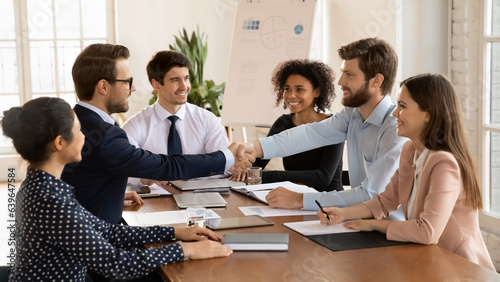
(260, 191)
(165, 218)
(266, 211)
(157, 190)
(267, 186)
(313, 227)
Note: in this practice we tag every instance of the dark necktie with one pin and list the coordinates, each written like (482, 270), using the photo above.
(174, 142)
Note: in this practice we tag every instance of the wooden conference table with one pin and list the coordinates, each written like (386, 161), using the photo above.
(308, 261)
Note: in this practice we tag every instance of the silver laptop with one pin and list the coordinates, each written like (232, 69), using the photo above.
(206, 200)
(187, 185)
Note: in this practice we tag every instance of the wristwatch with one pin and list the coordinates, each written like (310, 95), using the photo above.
(185, 254)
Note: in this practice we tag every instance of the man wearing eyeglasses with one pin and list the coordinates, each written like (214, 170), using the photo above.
(103, 84)
(199, 130)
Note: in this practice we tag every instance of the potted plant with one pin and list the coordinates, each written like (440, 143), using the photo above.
(204, 93)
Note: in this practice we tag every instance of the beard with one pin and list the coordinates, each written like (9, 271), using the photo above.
(117, 106)
(357, 99)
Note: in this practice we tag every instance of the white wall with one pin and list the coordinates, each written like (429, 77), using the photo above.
(149, 26)
(417, 28)
(425, 37)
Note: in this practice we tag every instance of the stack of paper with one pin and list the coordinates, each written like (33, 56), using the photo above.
(313, 227)
(266, 211)
(164, 218)
(260, 191)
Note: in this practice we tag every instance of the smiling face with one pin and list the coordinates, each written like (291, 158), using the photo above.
(353, 84)
(175, 89)
(299, 94)
(411, 119)
(117, 101)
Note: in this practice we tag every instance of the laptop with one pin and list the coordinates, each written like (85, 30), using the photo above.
(206, 200)
(188, 185)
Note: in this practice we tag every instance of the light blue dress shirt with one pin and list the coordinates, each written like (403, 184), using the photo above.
(373, 150)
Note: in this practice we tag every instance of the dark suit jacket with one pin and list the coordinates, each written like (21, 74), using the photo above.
(108, 159)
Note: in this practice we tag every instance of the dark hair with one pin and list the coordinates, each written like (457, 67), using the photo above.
(164, 61)
(37, 123)
(435, 94)
(319, 74)
(375, 56)
(96, 62)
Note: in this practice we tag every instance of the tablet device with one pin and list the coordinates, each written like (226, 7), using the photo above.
(237, 222)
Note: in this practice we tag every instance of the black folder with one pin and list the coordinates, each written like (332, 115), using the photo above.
(354, 240)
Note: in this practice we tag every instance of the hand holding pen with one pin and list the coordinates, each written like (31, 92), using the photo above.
(329, 215)
(322, 210)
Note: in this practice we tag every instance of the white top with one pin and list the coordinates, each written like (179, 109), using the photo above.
(199, 130)
(418, 163)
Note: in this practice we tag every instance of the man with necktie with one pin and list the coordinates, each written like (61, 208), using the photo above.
(171, 125)
(103, 84)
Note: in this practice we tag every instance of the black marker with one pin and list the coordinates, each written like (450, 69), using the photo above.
(321, 208)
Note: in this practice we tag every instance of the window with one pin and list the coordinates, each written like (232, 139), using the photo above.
(491, 107)
(39, 41)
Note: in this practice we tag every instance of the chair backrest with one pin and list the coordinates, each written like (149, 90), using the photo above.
(345, 178)
(4, 273)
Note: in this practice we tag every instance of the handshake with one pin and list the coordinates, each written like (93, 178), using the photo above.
(244, 155)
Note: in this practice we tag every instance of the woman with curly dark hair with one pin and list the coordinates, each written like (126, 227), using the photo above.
(306, 88)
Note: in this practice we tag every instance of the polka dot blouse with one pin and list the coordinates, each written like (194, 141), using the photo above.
(57, 239)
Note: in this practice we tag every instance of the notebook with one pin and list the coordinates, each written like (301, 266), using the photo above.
(187, 185)
(353, 241)
(256, 241)
(199, 200)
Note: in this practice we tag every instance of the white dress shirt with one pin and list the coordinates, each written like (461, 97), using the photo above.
(418, 163)
(199, 130)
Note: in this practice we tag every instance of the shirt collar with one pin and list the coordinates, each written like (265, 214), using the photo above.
(379, 113)
(107, 118)
(418, 161)
(164, 114)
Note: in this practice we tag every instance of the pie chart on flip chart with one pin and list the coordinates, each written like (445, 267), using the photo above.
(273, 32)
(298, 29)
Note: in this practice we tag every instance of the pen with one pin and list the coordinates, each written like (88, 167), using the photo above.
(321, 208)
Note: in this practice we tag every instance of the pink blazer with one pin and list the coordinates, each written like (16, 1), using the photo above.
(443, 217)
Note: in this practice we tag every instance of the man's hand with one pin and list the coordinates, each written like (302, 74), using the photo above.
(150, 182)
(284, 198)
(239, 176)
(132, 198)
(195, 233)
(243, 162)
(254, 148)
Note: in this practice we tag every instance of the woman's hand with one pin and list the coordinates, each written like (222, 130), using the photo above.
(336, 216)
(205, 249)
(369, 225)
(195, 233)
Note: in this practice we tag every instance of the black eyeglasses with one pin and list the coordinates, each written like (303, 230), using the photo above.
(130, 80)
